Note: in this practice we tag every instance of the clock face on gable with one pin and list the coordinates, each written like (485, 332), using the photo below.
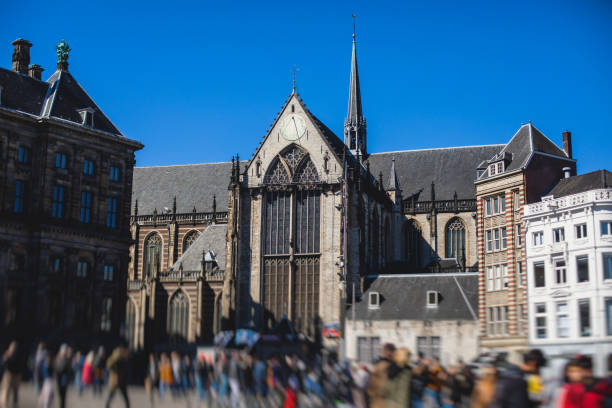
(293, 127)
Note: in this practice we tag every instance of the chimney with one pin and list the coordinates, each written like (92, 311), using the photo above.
(567, 172)
(21, 55)
(35, 71)
(567, 143)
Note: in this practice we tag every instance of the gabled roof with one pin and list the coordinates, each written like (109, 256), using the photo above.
(404, 297)
(212, 240)
(526, 142)
(451, 169)
(193, 185)
(584, 182)
(60, 97)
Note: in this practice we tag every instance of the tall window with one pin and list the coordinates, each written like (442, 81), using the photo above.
(82, 267)
(606, 228)
(539, 280)
(429, 346)
(374, 239)
(540, 320)
(497, 321)
(538, 238)
(519, 273)
(152, 255)
(61, 160)
(178, 318)
(582, 266)
(106, 318)
(607, 266)
(560, 272)
(522, 319)
(23, 155)
(608, 302)
(111, 212)
(559, 234)
(455, 240)
(368, 349)
(581, 231)
(57, 206)
(495, 205)
(88, 167)
(19, 197)
(412, 243)
(562, 320)
(189, 239)
(109, 272)
(584, 313)
(300, 302)
(56, 264)
(519, 235)
(113, 173)
(85, 207)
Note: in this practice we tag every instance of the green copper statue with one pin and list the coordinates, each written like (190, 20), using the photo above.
(62, 49)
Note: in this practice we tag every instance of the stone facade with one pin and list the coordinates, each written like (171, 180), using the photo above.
(65, 183)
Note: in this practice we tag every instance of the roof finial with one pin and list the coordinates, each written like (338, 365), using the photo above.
(293, 71)
(62, 49)
(354, 16)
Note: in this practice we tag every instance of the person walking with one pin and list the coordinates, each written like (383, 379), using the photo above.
(47, 394)
(39, 358)
(62, 372)
(99, 371)
(151, 378)
(379, 377)
(87, 376)
(77, 369)
(165, 375)
(13, 369)
(117, 365)
(397, 388)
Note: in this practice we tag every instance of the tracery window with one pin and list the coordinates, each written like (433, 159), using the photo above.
(387, 242)
(455, 240)
(152, 255)
(374, 239)
(291, 288)
(412, 243)
(178, 318)
(189, 239)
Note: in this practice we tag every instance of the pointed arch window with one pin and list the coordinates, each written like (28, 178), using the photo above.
(374, 239)
(178, 318)
(387, 248)
(412, 243)
(455, 240)
(277, 174)
(152, 255)
(292, 165)
(307, 173)
(189, 239)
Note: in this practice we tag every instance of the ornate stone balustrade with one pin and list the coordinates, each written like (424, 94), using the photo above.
(182, 218)
(442, 206)
(135, 284)
(556, 204)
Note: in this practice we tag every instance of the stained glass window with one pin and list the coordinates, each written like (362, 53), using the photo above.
(152, 255)
(455, 240)
(189, 239)
(178, 318)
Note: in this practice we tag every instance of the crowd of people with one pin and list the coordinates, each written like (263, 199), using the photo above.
(236, 378)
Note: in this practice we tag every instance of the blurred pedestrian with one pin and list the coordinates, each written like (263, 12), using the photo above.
(77, 368)
(360, 378)
(62, 368)
(165, 375)
(583, 390)
(99, 371)
(379, 377)
(11, 378)
(151, 378)
(520, 386)
(39, 358)
(87, 376)
(47, 394)
(484, 389)
(117, 365)
(397, 388)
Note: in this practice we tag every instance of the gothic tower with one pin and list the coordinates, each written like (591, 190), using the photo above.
(355, 124)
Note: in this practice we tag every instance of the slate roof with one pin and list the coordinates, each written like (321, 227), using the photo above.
(584, 182)
(60, 97)
(211, 239)
(451, 169)
(518, 151)
(193, 185)
(404, 297)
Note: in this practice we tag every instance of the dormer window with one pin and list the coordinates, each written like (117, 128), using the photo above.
(87, 117)
(374, 300)
(496, 168)
(209, 261)
(432, 298)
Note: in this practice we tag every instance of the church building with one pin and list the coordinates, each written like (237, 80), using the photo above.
(294, 230)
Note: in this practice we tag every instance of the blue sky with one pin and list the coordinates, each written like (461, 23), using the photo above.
(197, 82)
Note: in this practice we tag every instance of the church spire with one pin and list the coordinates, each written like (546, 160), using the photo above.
(354, 124)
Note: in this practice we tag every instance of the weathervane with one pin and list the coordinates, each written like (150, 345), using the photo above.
(293, 71)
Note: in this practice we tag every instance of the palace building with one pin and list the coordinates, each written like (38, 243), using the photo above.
(65, 183)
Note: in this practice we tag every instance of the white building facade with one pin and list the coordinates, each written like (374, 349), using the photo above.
(568, 238)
